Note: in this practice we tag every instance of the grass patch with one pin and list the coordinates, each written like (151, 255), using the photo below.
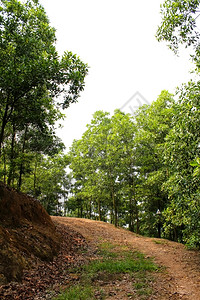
(123, 265)
(78, 292)
(111, 265)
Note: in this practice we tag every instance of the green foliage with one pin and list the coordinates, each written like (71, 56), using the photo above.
(118, 168)
(153, 124)
(102, 164)
(142, 171)
(35, 83)
(196, 164)
(48, 182)
(181, 149)
(178, 24)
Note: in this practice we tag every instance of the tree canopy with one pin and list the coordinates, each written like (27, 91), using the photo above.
(178, 24)
(35, 84)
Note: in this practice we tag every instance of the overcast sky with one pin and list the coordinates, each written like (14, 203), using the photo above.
(117, 40)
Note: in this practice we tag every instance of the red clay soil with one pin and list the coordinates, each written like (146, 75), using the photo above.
(34, 252)
(46, 279)
(181, 280)
(27, 234)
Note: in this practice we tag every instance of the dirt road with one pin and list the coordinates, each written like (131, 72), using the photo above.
(181, 280)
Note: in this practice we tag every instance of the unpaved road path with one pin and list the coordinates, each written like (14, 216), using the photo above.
(181, 280)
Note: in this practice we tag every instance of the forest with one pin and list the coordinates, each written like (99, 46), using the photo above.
(139, 171)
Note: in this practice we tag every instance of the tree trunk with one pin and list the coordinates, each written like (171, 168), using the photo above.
(90, 208)
(137, 221)
(22, 162)
(114, 206)
(6, 117)
(4, 168)
(131, 213)
(3, 125)
(132, 204)
(99, 209)
(12, 156)
(35, 177)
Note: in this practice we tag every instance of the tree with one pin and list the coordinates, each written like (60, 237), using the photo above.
(123, 173)
(88, 165)
(48, 182)
(181, 149)
(30, 67)
(102, 164)
(139, 171)
(152, 126)
(178, 24)
(29, 131)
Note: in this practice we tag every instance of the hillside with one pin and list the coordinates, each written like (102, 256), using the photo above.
(27, 234)
(37, 253)
(34, 251)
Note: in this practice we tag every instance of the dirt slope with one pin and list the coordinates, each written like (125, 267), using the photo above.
(27, 234)
(182, 279)
(20, 237)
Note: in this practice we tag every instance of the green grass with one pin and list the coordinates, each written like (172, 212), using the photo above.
(112, 263)
(106, 250)
(77, 292)
(122, 265)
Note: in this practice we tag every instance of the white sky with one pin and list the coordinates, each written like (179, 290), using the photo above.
(117, 40)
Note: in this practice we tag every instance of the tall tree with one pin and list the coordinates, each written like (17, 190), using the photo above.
(181, 148)
(103, 167)
(179, 26)
(152, 126)
(29, 63)
(88, 162)
(121, 162)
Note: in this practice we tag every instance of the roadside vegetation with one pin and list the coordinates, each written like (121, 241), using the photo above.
(112, 265)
